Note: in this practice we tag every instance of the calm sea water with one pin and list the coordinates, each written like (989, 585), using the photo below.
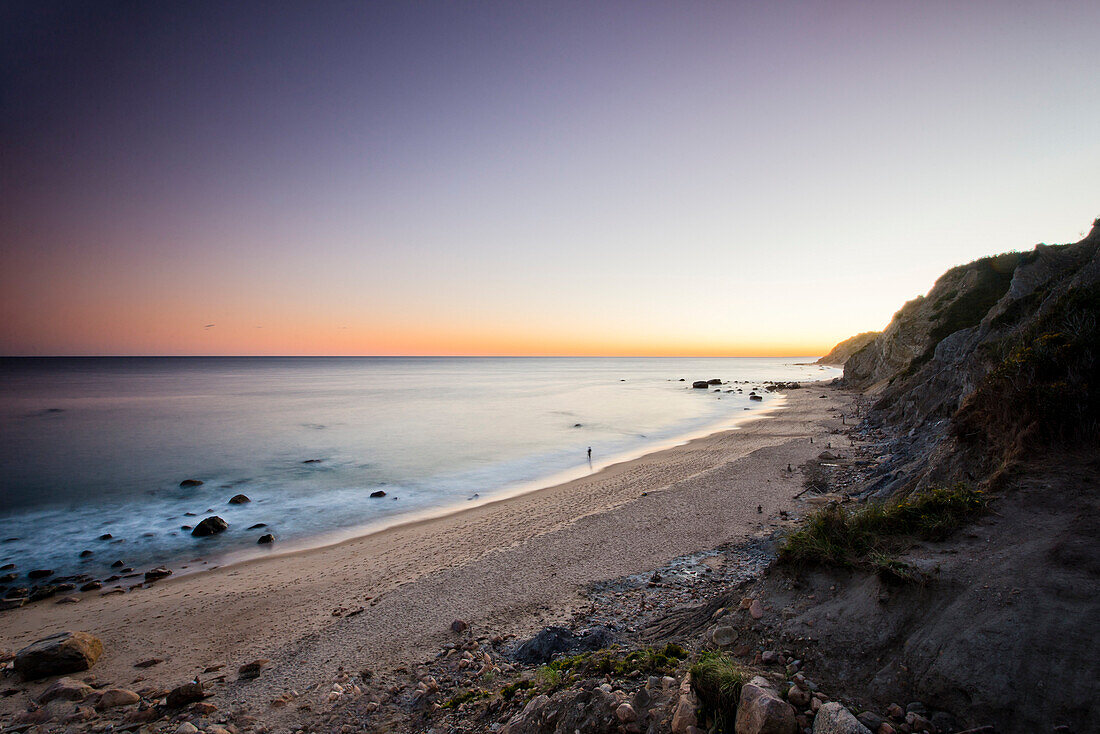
(100, 445)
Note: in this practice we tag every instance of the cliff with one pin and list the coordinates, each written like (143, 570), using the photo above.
(841, 352)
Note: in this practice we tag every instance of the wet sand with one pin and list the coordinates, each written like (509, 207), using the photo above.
(504, 567)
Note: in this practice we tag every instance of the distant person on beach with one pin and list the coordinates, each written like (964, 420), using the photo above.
(590, 453)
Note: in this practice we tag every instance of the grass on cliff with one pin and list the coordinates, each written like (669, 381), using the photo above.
(868, 535)
(716, 681)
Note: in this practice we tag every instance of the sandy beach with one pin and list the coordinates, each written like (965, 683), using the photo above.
(507, 567)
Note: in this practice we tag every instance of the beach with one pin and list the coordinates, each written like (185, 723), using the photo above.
(387, 600)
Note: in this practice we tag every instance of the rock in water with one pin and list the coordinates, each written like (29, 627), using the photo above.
(239, 499)
(210, 526)
(190, 483)
(378, 493)
(159, 572)
(65, 652)
(266, 539)
(761, 711)
(700, 385)
(832, 718)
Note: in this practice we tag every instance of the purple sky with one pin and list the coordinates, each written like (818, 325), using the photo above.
(513, 177)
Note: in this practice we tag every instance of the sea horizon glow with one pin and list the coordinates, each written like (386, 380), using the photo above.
(492, 178)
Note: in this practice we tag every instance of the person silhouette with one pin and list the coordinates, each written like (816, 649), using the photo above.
(590, 453)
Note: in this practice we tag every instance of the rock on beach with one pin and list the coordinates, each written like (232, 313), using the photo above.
(64, 652)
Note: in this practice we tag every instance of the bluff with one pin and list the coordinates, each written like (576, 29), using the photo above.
(991, 379)
(997, 362)
(839, 354)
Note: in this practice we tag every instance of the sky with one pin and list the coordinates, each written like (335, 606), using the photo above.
(575, 178)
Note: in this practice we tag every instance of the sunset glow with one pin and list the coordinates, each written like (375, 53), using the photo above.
(393, 178)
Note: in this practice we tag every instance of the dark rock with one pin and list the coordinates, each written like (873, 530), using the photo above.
(42, 592)
(248, 671)
(944, 722)
(871, 720)
(257, 526)
(149, 663)
(7, 578)
(12, 602)
(700, 385)
(755, 397)
(91, 586)
(714, 381)
(210, 526)
(64, 652)
(186, 527)
(7, 567)
(160, 572)
(312, 461)
(65, 689)
(554, 640)
(180, 696)
(117, 564)
(39, 573)
(86, 553)
(190, 483)
(378, 493)
(106, 536)
(266, 539)
(459, 626)
(239, 499)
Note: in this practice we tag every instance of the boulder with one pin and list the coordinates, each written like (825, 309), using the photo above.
(871, 720)
(115, 697)
(553, 640)
(39, 573)
(700, 385)
(65, 689)
(210, 526)
(761, 710)
(723, 636)
(378, 493)
(266, 539)
(714, 381)
(798, 697)
(182, 695)
(239, 499)
(832, 718)
(190, 483)
(65, 652)
(160, 572)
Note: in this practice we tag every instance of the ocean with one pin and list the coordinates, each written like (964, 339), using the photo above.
(96, 446)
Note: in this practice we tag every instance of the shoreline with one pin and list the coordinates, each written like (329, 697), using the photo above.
(507, 566)
(335, 538)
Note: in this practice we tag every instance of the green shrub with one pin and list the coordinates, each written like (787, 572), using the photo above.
(838, 537)
(716, 681)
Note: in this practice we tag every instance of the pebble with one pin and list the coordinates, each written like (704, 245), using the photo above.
(187, 728)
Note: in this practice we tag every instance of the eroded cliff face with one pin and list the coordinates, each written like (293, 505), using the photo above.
(1018, 327)
(840, 354)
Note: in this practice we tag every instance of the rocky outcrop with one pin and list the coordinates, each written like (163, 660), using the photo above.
(65, 652)
(839, 354)
(998, 347)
